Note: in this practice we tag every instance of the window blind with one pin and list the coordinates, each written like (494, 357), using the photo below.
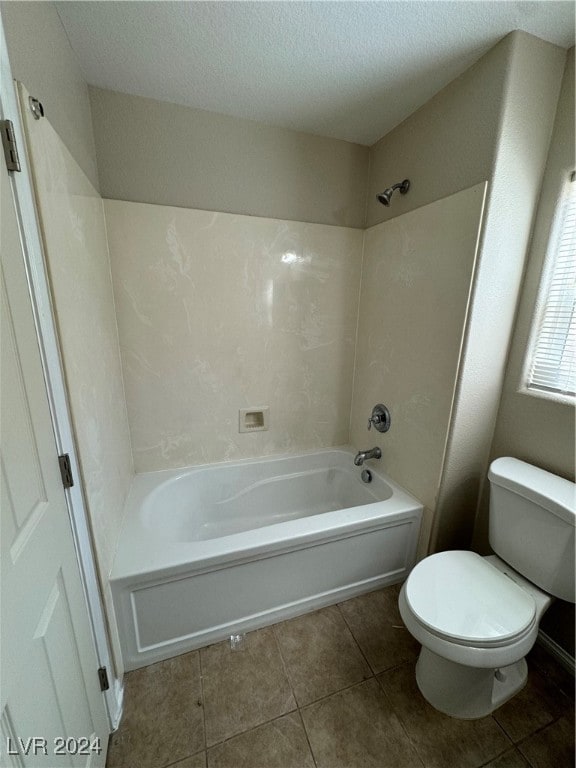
(553, 367)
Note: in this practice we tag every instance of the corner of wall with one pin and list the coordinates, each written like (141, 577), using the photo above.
(42, 58)
(521, 417)
(525, 127)
(432, 147)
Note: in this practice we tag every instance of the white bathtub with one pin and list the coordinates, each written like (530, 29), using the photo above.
(216, 550)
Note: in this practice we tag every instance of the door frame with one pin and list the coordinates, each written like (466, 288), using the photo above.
(40, 296)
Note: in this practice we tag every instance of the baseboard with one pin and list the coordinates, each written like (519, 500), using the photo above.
(118, 704)
(561, 656)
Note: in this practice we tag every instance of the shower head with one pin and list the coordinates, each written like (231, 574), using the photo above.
(386, 196)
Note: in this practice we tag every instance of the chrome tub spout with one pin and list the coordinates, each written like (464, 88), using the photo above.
(362, 456)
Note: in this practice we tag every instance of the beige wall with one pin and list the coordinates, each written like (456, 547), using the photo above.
(154, 152)
(532, 87)
(416, 280)
(532, 428)
(41, 58)
(74, 236)
(535, 429)
(445, 146)
(218, 312)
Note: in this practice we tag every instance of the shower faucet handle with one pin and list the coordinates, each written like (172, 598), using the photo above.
(380, 418)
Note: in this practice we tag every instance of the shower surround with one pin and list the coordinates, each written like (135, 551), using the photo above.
(218, 312)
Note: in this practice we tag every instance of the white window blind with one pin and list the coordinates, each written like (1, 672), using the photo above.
(553, 367)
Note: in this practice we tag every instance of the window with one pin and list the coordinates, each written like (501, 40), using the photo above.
(552, 365)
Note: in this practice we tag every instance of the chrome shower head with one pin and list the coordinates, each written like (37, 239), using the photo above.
(386, 196)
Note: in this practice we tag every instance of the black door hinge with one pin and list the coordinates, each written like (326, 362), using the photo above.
(9, 145)
(103, 677)
(66, 470)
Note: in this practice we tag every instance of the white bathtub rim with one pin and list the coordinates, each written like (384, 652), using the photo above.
(187, 557)
(141, 554)
(181, 563)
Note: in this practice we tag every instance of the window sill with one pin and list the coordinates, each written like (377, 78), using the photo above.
(554, 397)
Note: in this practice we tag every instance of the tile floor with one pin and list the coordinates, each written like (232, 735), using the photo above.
(332, 689)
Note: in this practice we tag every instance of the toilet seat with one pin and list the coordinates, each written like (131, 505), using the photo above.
(461, 598)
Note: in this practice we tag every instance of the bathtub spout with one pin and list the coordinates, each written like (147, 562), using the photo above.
(362, 456)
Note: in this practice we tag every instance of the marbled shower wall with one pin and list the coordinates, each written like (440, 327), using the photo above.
(218, 312)
(76, 251)
(417, 279)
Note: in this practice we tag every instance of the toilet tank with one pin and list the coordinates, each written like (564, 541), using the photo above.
(532, 524)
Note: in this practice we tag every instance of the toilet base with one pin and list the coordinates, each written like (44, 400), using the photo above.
(467, 692)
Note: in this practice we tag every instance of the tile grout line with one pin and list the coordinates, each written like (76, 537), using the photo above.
(297, 709)
(370, 667)
(264, 722)
(248, 730)
(307, 737)
(539, 730)
(336, 693)
(283, 661)
(375, 672)
(203, 749)
(300, 706)
(500, 754)
(182, 759)
(203, 705)
(393, 710)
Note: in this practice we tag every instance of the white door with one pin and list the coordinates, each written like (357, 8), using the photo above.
(52, 712)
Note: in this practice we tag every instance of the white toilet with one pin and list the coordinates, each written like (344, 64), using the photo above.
(477, 617)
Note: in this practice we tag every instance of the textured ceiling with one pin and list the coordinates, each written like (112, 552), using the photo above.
(349, 70)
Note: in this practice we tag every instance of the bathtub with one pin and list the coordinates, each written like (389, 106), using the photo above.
(216, 550)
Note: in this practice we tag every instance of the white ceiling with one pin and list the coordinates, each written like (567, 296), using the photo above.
(349, 70)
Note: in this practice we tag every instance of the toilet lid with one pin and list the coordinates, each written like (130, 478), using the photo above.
(462, 596)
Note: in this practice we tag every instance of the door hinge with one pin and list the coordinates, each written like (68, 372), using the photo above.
(66, 470)
(103, 677)
(9, 145)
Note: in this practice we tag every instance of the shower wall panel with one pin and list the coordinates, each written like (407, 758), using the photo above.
(74, 236)
(220, 312)
(416, 281)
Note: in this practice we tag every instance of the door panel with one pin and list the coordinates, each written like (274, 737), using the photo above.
(49, 686)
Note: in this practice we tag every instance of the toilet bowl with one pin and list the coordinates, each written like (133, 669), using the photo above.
(476, 620)
(477, 617)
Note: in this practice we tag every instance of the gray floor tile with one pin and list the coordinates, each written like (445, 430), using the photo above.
(163, 718)
(196, 761)
(440, 740)
(356, 728)
(248, 704)
(375, 622)
(320, 655)
(552, 747)
(551, 670)
(510, 759)
(538, 704)
(243, 688)
(279, 744)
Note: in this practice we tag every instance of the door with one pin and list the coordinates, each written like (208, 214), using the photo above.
(52, 712)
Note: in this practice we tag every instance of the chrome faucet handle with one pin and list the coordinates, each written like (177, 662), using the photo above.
(375, 419)
(380, 418)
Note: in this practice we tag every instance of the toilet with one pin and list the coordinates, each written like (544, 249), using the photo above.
(477, 617)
